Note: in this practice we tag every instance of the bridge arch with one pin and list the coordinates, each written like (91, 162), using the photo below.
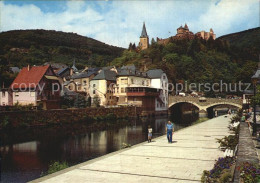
(189, 102)
(221, 103)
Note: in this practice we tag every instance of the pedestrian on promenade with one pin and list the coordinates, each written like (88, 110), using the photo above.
(150, 131)
(169, 130)
(216, 113)
(229, 111)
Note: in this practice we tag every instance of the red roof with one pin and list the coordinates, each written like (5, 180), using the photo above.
(29, 78)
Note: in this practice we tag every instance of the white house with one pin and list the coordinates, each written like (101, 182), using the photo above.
(6, 97)
(159, 81)
(101, 86)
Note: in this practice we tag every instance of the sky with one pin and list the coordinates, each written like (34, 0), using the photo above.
(120, 22)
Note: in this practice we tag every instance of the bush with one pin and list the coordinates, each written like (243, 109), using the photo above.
(96, 101)
(55, 167)
(5, 123)
(228, 142)
(110, 116)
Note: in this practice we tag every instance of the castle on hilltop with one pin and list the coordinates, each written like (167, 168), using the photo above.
(185, 33)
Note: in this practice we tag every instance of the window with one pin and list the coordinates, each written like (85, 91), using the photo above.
(124, 81)
(132, 81)
(16, 94)
(122, 90)
(94, 91)
(3, 94)
(164, 77)
(32, 94)
(94, 85)
(84, 82)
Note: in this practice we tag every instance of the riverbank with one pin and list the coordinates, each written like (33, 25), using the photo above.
(194, 149)
(16, 119)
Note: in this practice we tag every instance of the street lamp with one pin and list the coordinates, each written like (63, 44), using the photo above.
(254, 79)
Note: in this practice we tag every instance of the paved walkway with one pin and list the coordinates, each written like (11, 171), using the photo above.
(194, 149)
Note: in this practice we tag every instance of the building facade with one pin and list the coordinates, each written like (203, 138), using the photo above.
(36, 85)
(206, 35)
(101, 86)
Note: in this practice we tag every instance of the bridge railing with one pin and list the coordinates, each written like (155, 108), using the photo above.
(208, 101)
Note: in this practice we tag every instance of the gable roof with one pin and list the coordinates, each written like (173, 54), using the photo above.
(155, 73)
(62, 70)
(29, 77)
(129, 67)
(83, 74)
(106, 75)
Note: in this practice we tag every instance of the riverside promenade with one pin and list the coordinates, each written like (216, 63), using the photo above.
(193, 150)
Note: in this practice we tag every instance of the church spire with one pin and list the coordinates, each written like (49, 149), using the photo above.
(144, 33)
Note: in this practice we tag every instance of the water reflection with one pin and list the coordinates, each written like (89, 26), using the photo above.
(28, 152)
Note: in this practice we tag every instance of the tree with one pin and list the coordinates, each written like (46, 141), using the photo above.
(88, 104)
(80, 101)
(130, 46)
(153, 41)
(96, 101)
(134, 47)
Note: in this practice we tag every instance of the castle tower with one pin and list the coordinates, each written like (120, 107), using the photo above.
(144, 39)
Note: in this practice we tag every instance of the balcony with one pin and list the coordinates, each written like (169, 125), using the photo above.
(141, 91)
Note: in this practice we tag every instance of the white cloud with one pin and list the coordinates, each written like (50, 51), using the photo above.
(120, 22)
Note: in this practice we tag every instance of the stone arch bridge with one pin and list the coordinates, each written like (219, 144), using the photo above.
(204, 105)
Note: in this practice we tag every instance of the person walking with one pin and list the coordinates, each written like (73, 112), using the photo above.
(169, 130)
(150, 131)
(216, 113)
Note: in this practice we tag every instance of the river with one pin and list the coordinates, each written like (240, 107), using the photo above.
(26, 153)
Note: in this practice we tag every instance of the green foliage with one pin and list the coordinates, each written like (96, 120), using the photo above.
(55, 167)
(35, 47)
(201, 61)
(228, 142)
(125, 145)
(80, 101)
(110, 116)
(255, 100)
(96, 101)
(5, 123)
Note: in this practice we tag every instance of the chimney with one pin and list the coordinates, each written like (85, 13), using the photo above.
(28, 67)
(71, 71)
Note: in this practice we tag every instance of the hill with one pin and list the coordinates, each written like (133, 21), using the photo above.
(247, 41)
(230, 59)
(22, 47)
